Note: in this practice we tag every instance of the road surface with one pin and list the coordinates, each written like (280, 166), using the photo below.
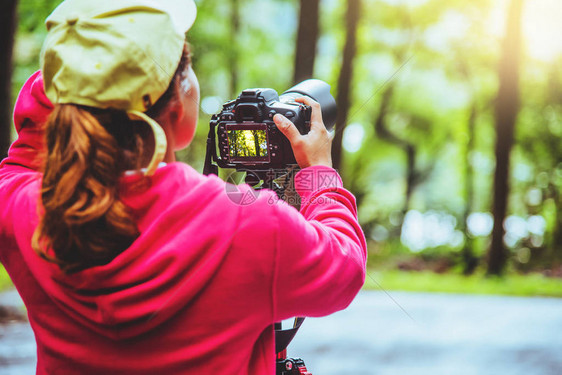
(398, 334)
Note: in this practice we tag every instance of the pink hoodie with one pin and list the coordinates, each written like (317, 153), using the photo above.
(198, 291)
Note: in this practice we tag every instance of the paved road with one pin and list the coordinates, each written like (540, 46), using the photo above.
(438, 334)
(443, 334)
(17, 343)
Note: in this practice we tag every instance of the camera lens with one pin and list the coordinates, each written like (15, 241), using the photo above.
(319, 91)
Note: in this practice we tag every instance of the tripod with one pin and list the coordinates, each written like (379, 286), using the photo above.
(284, 365)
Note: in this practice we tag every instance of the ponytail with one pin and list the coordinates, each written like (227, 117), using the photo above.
(84, 222)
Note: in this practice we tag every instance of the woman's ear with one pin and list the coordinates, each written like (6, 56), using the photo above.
(176, 113)
(182, 114)
(170, 118)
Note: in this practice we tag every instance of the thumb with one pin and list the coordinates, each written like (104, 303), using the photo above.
(287, 127)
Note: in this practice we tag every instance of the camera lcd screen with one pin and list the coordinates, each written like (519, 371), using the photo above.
(248, 143)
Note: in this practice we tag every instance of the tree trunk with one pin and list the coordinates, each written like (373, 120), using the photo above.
(7, 30)
(411, 175)
(507, 107)
(344, 81)
(382, 131)
(233, 55)
(557, 243)
(470, 261)
(307, 38)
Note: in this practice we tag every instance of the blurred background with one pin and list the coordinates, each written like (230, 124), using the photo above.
(449, 130)
(449, 133)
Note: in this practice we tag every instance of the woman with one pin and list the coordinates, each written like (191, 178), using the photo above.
(129, 262)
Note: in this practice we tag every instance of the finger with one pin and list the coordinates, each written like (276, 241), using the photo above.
(316, 116)
(287, 127)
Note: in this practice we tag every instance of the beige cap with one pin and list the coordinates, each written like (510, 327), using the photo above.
(119, 54)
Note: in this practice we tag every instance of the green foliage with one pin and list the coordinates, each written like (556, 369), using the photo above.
(32, 14)
(513, 285)
(5, 281)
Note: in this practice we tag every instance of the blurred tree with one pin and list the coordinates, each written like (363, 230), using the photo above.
(8, 23)
(32, 14)
(469, 58)
(469, 259)
(307, 38)
(233, 55)
(539, 144)
(344, 82)
(554, 187)
(414, 176)
(406, 25)
(507, 108)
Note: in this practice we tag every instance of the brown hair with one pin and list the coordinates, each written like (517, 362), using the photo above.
(84, 222)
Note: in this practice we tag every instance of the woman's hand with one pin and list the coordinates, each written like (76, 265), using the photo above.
(313, 148)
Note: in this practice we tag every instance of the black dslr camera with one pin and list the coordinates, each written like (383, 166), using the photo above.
(243, 135)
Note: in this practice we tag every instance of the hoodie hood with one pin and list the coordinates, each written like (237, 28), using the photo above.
(31, 111)
(178, 252)
(165, 268)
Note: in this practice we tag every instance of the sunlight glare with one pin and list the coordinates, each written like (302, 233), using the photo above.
(353, 137)
(542, 29)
